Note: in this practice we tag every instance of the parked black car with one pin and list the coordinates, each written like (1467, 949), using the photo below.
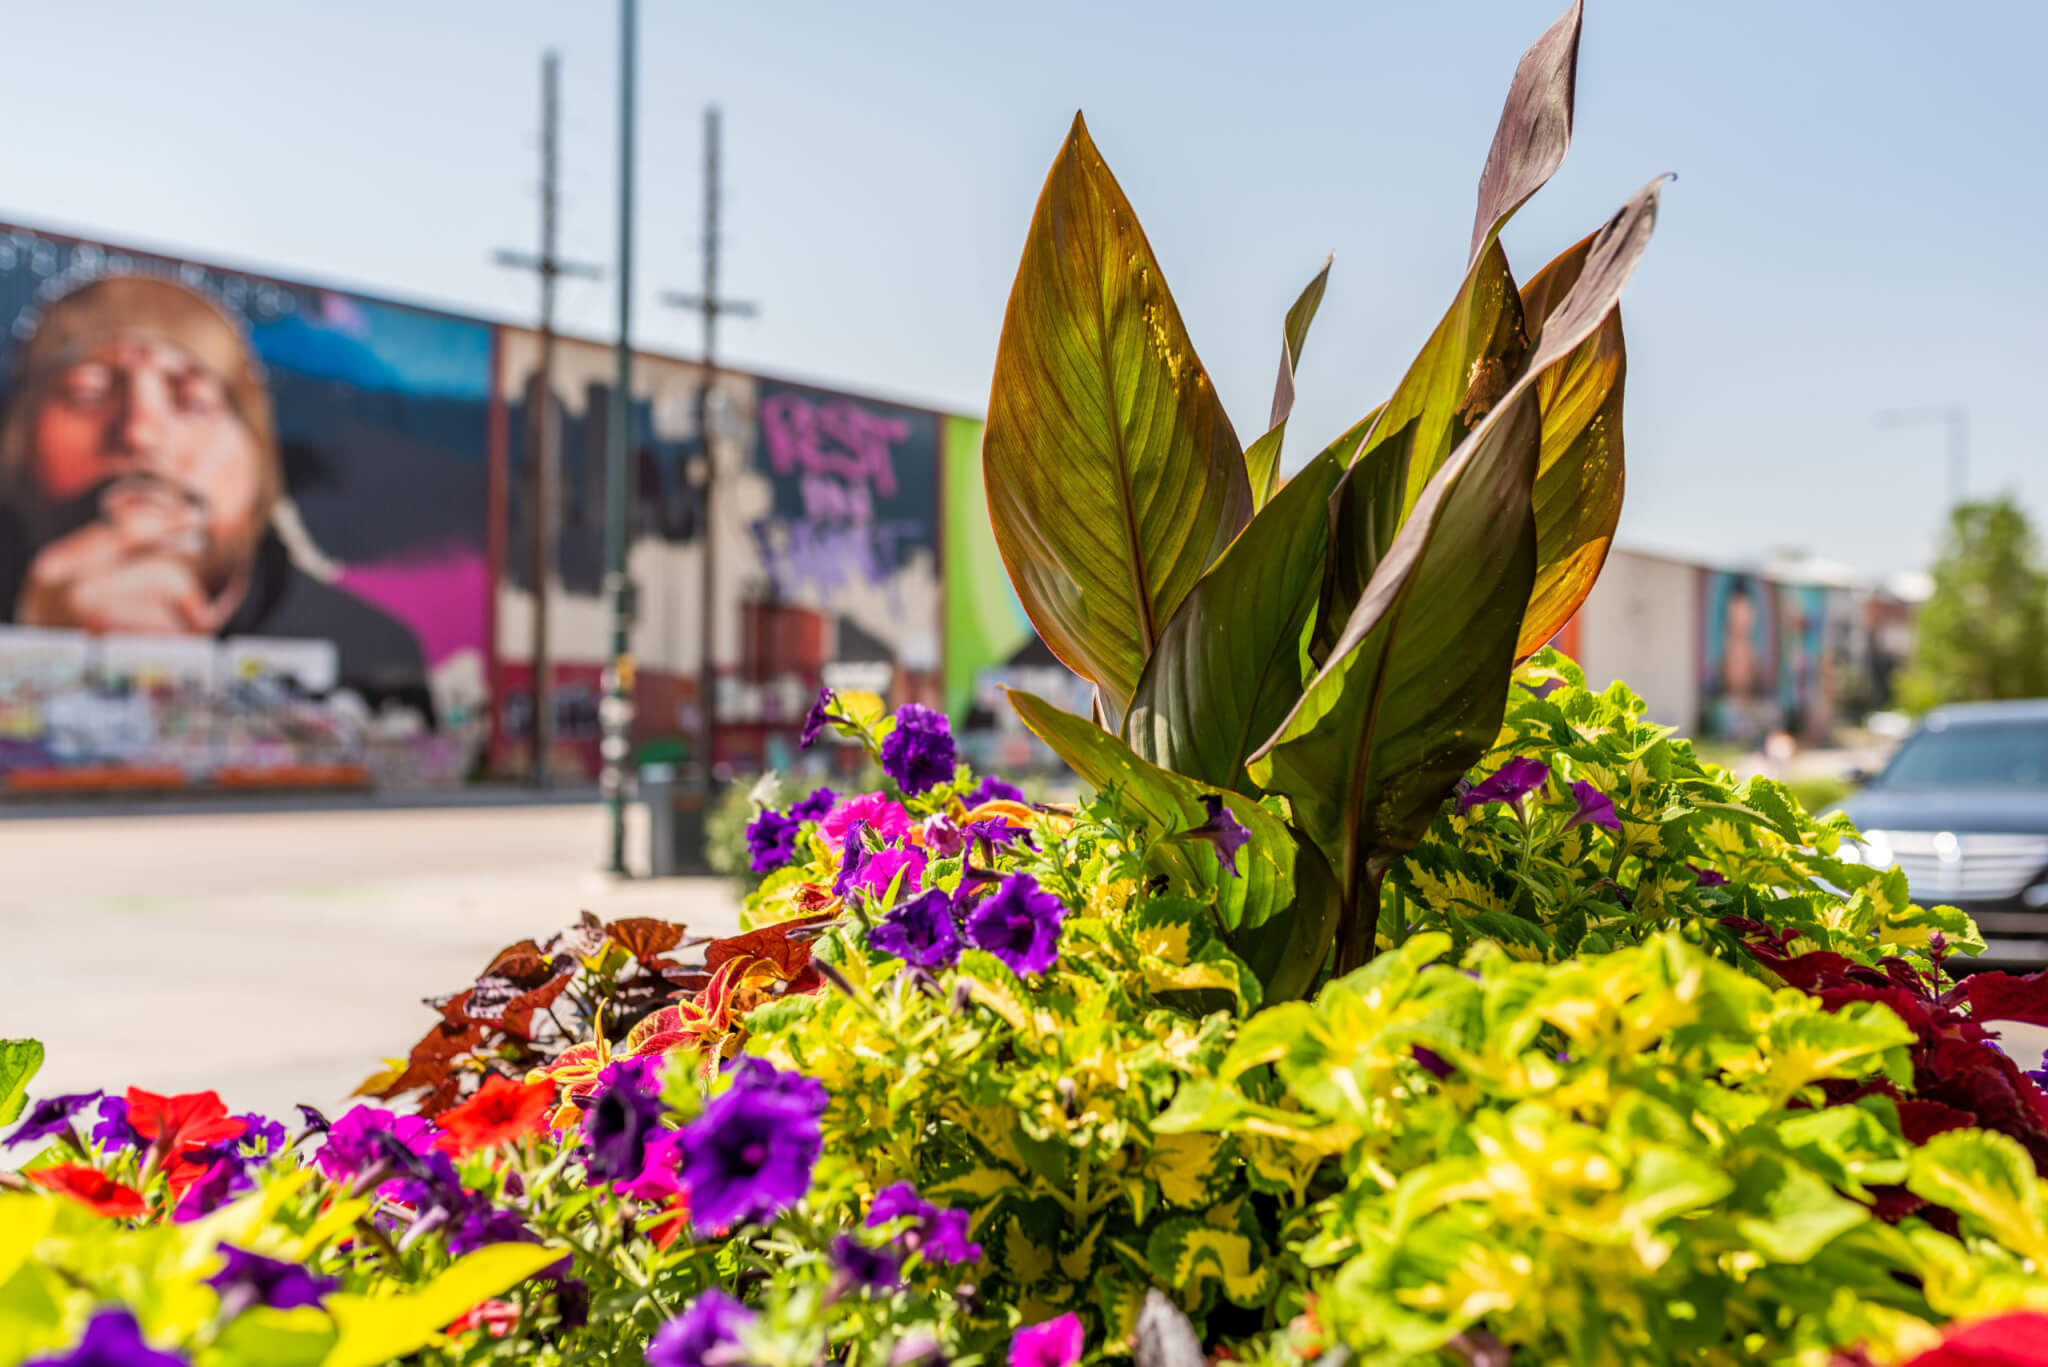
(1963, 809)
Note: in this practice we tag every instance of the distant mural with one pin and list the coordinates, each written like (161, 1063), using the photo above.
(1739, 665)
(248, 517)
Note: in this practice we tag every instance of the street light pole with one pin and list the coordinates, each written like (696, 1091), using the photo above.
(1954, 416)
(615, 713)
(710, 305)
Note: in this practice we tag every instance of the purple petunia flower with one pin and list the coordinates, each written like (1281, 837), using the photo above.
(869, 1269)
(1543, 688)
(771, 840)
(1511, 782)
(936, 1232)
(1595, 808)
(993, 789)
(263, 1137)
(1055, 1343)
(623, 1116)
(481, 1224)
(749, 1155)
(815, 719)
(2040, 1075)
(919, 754)
(712, 1322)
(879, 870)
(352, 1145)
(943, 837)
(1019, 925)
(52, 1115)
(1708, 878)
(250, 1280)
(1224, 833)
(314, 1121)
(113, 1131)
(226, 1177)
(920, 932)
(814, 807)
(853, 857)
(1433, 1063)
(112, 1339)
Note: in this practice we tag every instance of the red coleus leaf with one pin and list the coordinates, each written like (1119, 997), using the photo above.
(91, 1187)
(500, 1112)
(786, 945)
(178, 1123)
(645, 937)
(496, 1318)
(2019, 1339)
(1920, 1120)
(2002, 997)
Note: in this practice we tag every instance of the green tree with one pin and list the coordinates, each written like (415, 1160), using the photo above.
(1984, 633)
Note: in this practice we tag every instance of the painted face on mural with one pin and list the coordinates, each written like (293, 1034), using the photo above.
(142, 485)
(1738, 654)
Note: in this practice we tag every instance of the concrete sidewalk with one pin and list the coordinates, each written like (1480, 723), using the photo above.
(279, 956)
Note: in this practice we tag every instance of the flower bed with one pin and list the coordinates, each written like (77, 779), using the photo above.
(1392, 996)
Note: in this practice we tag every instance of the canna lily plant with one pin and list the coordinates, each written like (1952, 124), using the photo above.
(1327, 655)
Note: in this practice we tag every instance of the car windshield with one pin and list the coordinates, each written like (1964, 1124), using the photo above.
(1980, 755)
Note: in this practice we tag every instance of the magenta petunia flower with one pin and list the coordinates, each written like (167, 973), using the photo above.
(1595, 808)
(1020, 925)
(919, 753)
(920, 932)
(352, 1140)
(879, 870)
(1512, 782)
(879, 812)
(706, 1334)
(1224, 833)
(942, 836)
(1055, 1343)
(749, 1155)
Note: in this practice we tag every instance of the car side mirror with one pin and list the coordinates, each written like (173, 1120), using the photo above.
(1862, 777)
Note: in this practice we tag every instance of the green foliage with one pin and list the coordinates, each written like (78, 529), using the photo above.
(1984, 634)
(20, 1060)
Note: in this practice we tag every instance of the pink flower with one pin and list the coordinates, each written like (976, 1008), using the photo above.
(884, 816)
(882, 867)
(1055, 1343)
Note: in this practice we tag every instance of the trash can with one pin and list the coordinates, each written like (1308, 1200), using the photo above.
(678, 800)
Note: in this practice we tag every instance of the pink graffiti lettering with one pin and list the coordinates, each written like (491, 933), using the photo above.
(832, 438)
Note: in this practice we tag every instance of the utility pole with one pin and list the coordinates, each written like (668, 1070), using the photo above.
(709, 305)
(540, 416)
(1956, 417)
(615, 712)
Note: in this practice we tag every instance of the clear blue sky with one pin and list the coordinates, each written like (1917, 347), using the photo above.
(1857, 223)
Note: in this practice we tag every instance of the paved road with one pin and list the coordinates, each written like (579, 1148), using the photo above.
(278, 956)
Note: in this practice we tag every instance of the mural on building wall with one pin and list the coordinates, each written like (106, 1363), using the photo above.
(1739, 697)
(1806, 661)
(242, 523)
(828, 534)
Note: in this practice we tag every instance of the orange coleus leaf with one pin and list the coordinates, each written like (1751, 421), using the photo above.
(574, 1071)
(501, 1112)
(784, 944)
(90, 1187)
(178, 1123)
(646, 938)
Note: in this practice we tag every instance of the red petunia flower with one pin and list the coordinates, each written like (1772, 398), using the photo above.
(178, 1124)
(501, 1112)
(496, 1318)
(90, 1187)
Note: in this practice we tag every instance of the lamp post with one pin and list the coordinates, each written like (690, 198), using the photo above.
(615, 712)
(1956, 417)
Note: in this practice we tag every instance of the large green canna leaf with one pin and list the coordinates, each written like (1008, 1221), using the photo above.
(1228, 666)
(1535, 127)
(1114, 478)
(1580, 476)
(1413, 689)
(1262, 457)
(1171, 803)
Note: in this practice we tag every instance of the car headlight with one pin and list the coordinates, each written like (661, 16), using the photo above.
(1874, 849)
